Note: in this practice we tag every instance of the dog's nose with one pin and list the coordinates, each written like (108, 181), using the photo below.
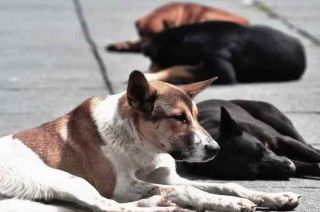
(211, 149)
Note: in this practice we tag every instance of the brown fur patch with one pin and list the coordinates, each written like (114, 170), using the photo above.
(72, 143)
(178, 14)
(170, 101)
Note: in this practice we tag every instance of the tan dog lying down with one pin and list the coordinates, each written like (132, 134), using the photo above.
(174, 15)
(123, 147)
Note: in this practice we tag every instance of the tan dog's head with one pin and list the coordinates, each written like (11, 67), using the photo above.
(166, 117)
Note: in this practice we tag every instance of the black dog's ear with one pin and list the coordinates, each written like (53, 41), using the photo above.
(140, 94)
(228, 127)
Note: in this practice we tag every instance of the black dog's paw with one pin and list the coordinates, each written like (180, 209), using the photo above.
(116, 47)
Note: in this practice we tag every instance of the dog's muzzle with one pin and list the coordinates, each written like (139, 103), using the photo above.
(206, 146)
(211, 150)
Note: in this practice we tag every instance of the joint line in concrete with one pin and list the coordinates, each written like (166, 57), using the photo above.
(92, 44)
(273, 14)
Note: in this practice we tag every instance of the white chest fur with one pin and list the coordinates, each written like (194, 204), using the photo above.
(131, 157)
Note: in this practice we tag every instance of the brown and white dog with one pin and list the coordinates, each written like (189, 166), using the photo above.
(172, 15)
(123, 147)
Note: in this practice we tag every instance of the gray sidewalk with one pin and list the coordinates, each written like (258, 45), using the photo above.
(47, 65)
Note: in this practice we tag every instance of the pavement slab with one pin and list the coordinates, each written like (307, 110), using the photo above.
(46, 68)
(302, 14)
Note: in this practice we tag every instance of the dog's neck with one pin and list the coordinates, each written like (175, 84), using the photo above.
(119, 132)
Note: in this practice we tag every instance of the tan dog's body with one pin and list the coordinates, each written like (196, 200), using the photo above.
(179, 14)
(121, 145)
(174, 15)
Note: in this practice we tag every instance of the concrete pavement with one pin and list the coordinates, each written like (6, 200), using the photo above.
(48, 64)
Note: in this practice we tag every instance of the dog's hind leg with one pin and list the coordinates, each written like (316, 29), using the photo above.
(174, 74)
(24, 175)
(220, 67)
(307, 169)
(19, 205)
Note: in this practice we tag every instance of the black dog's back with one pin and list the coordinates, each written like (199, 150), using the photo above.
(187, 44)
(209, 118)
(230, 51)
(270, 115)
(269, 55)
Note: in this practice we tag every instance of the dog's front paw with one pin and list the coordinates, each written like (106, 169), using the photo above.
(102, 204)
(156, 200)
(236, 204)
(283, 200)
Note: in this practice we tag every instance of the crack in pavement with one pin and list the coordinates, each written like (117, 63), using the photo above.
(92, 44)
(273, 14)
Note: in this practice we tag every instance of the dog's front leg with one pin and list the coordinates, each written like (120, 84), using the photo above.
(281, 200)
(175, 74)
(189, 197)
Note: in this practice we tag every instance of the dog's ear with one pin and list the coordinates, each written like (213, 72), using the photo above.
(140, 94)
(228, 126)
(195, 88)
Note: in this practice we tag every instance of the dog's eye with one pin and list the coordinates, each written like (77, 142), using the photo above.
(181, 118)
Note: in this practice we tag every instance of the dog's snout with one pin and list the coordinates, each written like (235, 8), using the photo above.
(211, 149)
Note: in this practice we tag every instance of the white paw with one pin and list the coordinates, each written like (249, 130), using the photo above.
(283, 200)
(156, 200)
(154, 209)
(103, 204)
(242, 205)
(234, 204)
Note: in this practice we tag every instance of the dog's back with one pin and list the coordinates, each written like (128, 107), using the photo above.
(177, 14)
(186, 44)
(251, 53)
(267, 49)
(270, 115)
(209, 113)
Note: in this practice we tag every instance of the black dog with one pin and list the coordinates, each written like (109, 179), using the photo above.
(257, 142)
(233, 52)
